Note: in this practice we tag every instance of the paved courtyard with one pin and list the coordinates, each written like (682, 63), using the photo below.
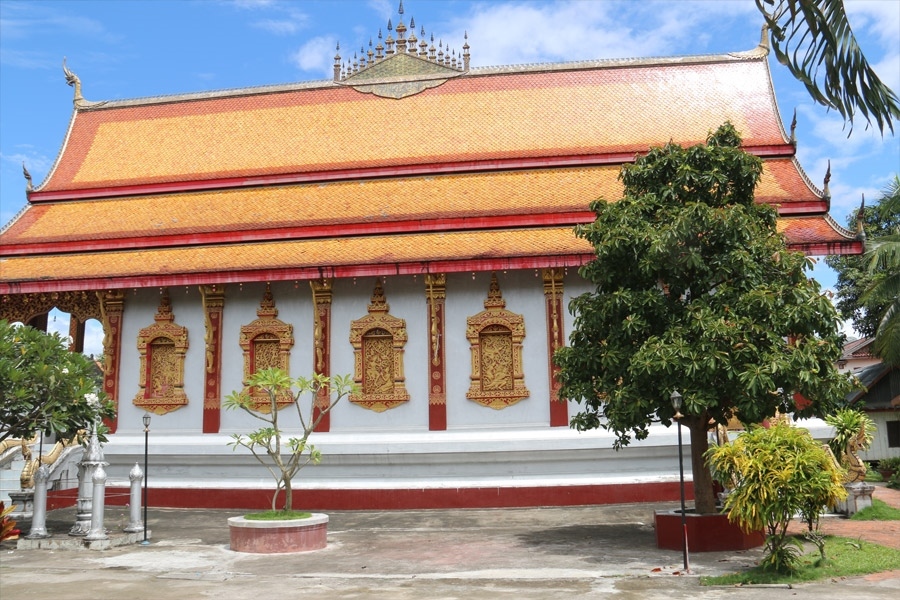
(541, 554)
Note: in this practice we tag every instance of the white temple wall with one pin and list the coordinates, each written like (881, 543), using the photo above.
(575, 285)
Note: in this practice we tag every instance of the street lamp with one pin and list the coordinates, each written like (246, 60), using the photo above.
(676, 404)
(146, 419)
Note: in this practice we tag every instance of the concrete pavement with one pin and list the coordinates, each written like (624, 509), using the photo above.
(541, 554)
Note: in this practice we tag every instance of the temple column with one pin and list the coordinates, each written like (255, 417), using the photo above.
(76, 334)
(553, 295)
(213, 297)
(322, 294)
(112, 305)
(436, 295)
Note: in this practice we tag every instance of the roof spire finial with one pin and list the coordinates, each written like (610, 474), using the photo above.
(825, 191)
(793, 128)
(764, 38)
(72, 80)
(337, 62)
(860, 220)
(29, 186)
(400, 10)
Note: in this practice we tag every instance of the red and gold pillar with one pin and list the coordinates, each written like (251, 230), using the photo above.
(553, 295)
(436, 294)
(213, 297)
(322, 294)
(112, 305)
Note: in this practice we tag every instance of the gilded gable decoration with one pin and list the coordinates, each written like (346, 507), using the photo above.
(266, 343)
(162, 347)
(495, 336)
(397, 68)
(378, 340)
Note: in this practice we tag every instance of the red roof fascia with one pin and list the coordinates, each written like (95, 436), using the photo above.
(802, 208)
(232, 277)
(828, 248)
(296, 233)
(776, 151)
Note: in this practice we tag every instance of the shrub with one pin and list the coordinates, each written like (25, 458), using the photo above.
(778, 472)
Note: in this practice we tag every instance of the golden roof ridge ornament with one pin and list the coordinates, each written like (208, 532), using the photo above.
(73, 80)
(29, 186)
(407, 65)
(761, 50)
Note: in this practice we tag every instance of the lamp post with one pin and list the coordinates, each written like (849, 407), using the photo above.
(146, 419)
(676, 404)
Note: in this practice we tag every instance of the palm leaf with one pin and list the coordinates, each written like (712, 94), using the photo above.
(813, 39)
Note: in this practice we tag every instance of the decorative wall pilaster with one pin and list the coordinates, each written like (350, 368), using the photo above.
(322, 294)
(553, 294)
(112, 306)
(435, 296)
(213, 297)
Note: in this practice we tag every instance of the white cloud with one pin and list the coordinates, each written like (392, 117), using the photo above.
(278, 27)
(316, 55)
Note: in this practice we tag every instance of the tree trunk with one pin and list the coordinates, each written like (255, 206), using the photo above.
(288, 496)
(704, 494)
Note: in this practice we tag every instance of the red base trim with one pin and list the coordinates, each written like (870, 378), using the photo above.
(406, 499)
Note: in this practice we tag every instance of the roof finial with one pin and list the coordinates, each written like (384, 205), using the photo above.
(825, 191)
(400, 10)
(860, 220)
(764, 38)
(337, 62)
(28, 184)
(72, 80)
(793, 128)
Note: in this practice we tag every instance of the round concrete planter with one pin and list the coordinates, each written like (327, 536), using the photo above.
(705, 533)
(272, 537)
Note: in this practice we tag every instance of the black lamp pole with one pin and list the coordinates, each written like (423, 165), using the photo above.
(676, 404)
(146, 419)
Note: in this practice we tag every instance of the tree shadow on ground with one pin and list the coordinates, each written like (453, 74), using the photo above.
(595, 542)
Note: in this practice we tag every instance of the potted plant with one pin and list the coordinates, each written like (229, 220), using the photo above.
(887, 467)
(284, 455)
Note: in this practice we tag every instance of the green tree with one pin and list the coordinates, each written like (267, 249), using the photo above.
(281, 454)
(44, 387)
(868, 287)
(885, 259)
(696, 291)
(854, 277)
(813, 38)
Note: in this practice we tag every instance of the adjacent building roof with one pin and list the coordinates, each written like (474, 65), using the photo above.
(405, 165)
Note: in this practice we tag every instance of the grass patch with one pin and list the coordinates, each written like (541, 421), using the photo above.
(278, 515)
(879, 511)
(846, 558)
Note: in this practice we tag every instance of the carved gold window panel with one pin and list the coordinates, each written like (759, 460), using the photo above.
(378, 340)
(495, 337)
(266, 343)
(162, 348)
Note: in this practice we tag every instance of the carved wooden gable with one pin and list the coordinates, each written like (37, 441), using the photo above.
(266, 343)
(162, 347)
(378, 340)
(495, 336)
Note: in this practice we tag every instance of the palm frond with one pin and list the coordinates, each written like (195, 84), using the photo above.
(813, 39)
(887, 341)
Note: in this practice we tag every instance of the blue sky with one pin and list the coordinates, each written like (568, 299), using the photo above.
(131, 49)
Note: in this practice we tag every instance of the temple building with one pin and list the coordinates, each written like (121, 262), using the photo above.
(410, 222)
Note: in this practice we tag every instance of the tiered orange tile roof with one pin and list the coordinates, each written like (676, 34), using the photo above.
(489, 169)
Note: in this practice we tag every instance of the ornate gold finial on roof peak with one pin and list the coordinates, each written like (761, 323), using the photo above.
(29, 186)
(73, 80)
(860, 221)
(420, 68)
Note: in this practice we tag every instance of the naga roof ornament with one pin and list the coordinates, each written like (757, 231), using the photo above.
(407, 65)
(73, 80)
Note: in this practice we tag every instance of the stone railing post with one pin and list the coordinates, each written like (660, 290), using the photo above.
(135, 523)
(93, 456)
(98, 503)
(39, 521)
